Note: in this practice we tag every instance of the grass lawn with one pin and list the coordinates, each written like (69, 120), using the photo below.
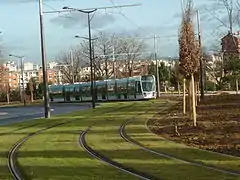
(55, 154)
(104, 137)
(6, 141)
(137, 131)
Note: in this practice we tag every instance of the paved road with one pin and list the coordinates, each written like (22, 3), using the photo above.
(9, 115)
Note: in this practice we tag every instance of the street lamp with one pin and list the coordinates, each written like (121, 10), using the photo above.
(22, 73)
(93, 72)
(90, 48)
(44, 68)
(157, 70)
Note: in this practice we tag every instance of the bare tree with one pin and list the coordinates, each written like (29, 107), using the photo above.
(114, 55)
(225, 12)
(104, 46)
(7, 91)
(71, 63)
(131, 50)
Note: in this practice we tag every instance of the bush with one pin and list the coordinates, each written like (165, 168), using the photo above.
(210, 86)
(15, 96)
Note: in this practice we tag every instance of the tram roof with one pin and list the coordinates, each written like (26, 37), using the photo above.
(103, 82)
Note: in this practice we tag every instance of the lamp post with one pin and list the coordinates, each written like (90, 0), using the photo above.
(92, 58)
(90, 48)
(44, 68)
(157, 70)
(22, 74)
(201, 56)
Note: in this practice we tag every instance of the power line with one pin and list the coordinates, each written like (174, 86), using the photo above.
(87, 9)
(128, 19)
(54, 9)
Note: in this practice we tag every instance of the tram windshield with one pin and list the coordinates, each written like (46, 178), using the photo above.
(147, 86)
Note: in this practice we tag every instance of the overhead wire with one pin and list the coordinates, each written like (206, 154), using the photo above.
(128, 19)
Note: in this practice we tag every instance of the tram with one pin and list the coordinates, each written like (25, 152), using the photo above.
(131, 88)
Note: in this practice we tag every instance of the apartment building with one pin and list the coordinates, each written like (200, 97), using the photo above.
(12, 74)
(4, 78)
(13, 79)
(51, 76)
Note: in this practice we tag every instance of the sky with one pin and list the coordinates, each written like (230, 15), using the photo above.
(19, 24)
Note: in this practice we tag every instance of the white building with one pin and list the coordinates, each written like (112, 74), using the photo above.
(28, 66)
(11, 65)
(52, 65)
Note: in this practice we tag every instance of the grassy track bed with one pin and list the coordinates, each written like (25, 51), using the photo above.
(56, 154)
(7, 140)
(138, 131)
(10, 134)
(104, 137)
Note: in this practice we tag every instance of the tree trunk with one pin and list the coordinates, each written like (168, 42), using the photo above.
(178, 84)
(8, 98)
(199, 94)
(236, 86)
(165, 87)
(196, 93)
(190, 98)
(194, 115)
(31, 96)
(184, 96)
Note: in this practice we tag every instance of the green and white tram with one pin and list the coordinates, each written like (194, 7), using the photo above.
(132, 88)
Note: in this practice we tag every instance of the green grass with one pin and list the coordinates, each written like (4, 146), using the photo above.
(104, 138)
(137, 130)
(55, 154)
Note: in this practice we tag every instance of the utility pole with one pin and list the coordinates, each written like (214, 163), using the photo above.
(91, 56)
(19, 80)
(113, 59)
(90, 49)
(94, 69)
(200, 57)
(23, 91)
(72, 67)
(88, 11)
(157, 73)
(44, 69)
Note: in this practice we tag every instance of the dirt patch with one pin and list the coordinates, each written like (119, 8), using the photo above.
(218, 125)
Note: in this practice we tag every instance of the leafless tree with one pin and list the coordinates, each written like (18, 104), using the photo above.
(131, 50)
(71, 63)
(104, 47)
(225, 12)
(114, 55)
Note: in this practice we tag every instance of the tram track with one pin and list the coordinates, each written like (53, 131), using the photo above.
(12, 162)
(104, 159)
(123, 134)
(110, 162)
(12, 153)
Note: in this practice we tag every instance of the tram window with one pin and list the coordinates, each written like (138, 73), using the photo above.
(147, 86)
(131, 87)
(88, 92)
(138, 87)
